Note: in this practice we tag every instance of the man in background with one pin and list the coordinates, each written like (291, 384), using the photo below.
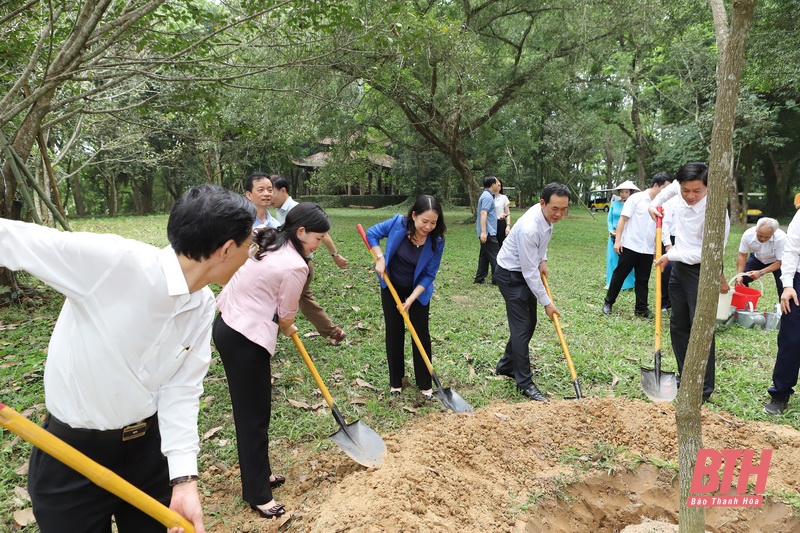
(635, 244)
(486, 228)
(258, 189)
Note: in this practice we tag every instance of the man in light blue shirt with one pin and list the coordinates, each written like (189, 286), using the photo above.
(520, 265)
(486, 228)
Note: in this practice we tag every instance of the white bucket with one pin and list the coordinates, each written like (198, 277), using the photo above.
(724, 305)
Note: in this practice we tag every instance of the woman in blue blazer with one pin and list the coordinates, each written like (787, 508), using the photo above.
(414, 246)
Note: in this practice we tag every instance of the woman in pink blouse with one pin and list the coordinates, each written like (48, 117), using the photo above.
(262, 298)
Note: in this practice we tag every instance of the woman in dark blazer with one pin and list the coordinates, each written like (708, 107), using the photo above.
(414, 246)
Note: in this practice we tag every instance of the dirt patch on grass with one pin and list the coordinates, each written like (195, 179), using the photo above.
(587, 465)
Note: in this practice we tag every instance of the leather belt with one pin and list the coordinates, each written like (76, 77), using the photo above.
(129, 432)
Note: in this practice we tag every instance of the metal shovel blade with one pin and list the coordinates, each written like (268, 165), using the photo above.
(451, 400)
(359, 441)
(657, 385)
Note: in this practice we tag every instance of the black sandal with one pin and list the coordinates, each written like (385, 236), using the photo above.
(277, 482)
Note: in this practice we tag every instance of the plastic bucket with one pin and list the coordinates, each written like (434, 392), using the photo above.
(724, 305)
(743, 295)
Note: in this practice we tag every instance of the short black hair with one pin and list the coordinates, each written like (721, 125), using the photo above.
(693, 172)
(255, 176)
(559, 189)
(206, 217)
(488, 181)
(660, 179)
(279, 182)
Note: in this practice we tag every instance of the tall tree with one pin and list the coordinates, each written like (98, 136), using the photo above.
(731, 40)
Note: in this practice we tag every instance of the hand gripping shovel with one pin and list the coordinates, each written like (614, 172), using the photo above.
(659, 386)
(572, 373)
(96, 473)
(356, 439)
(448, 397)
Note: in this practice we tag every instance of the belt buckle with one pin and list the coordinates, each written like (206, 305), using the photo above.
(134, 431)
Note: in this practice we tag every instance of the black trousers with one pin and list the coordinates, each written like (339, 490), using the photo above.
(65, 501)
(487, 257)
(396, 336)
(683, 288)
(754, 264)
(665, 273)
(501, 232)
(521, 312)
(641, 264)
(787, 363)
(247, 367)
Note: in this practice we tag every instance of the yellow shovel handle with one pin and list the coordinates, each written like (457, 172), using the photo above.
(98, 474)
(313, 369)
(561, 338)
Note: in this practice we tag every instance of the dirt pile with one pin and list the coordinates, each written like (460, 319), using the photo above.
(526, 467)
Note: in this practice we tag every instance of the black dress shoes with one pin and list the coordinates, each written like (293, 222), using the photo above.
(273, 512)
(606, 309)
(277, 482)
(532, 393)
(644, 314)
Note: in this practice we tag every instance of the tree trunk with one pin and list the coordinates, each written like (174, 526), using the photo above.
(731, 42)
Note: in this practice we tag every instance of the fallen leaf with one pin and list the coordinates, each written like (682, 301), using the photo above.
(361, 383)
(22, 493)
(223, 442)
(358, 400)
(301, 405)
(409, 409)
(211, 432)
(311, 334)
(23, 470)
(500, 416)
(23, 517)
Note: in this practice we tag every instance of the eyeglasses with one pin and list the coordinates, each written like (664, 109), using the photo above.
(253, 251)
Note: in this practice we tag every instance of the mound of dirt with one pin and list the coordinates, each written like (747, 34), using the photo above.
(587, 465)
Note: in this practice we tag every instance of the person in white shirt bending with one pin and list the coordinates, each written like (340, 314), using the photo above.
(127, 356)
(765, 243)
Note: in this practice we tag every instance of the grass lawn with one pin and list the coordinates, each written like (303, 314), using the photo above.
(468, 327)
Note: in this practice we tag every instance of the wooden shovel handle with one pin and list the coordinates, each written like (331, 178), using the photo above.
(396, 296)
(561, 337)
(98, 474)
(313, 369)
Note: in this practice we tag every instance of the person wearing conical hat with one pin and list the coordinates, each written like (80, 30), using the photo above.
(623, 191)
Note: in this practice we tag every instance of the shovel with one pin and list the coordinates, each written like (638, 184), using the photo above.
(448, 397)
(96, 473)
(356, 439)
(657, 385)
(572, 373)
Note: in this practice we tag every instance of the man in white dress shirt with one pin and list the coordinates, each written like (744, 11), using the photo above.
(127, 356)
(765, 243)
(520, 264)
(787, 362)
(691, 182)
